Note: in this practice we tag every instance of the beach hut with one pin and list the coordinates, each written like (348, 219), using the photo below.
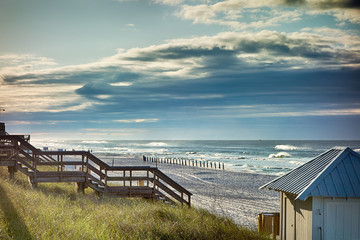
(321, 199)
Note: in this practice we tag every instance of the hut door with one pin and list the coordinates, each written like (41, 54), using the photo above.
(341, 219)
(289, 219)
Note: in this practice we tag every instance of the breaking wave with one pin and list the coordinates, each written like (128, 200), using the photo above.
(286, 147)
(157, 144)
(92, 141)
(279, 155)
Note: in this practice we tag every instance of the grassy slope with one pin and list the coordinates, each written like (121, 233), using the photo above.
(56, 211)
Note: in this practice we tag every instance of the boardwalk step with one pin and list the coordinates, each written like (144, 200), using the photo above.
(94, 172)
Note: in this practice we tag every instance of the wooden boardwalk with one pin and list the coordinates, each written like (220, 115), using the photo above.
(87, 170)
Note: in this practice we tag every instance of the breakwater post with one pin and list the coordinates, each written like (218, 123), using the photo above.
(185, 162)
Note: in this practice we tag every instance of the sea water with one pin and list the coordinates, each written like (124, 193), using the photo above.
(263, 156)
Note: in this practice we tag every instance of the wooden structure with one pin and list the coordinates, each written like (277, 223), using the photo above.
(269, 223)
(185, 162)
(321, 199)
(61, 166)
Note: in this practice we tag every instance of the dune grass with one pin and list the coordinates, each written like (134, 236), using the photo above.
(56, 211)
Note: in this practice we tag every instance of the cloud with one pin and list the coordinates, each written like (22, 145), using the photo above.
(185, 58)
(243, 15)
(182, 72)
(276, 110)
(121, 84)
(346, 15)
(39, 98)
(16, 59)
(238, 4)
(169, 2)
(136, 120)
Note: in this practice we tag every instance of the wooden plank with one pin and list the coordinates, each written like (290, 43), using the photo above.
(135, 191)
(63, 153)
(128, 178)
(97, 161)
(7, 147)
(171, 182)
(73, 163)
(98, 172)
(170, 192)
(22, 162)
(58, 179)
(48, 163)
(64, 174)
(7, 163)
(131, 168)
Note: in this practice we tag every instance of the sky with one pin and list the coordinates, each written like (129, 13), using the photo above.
(178, 69)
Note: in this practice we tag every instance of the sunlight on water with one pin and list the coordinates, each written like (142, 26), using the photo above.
(266, 157)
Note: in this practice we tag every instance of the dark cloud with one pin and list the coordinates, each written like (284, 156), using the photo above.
(180, 52)
(325, 4)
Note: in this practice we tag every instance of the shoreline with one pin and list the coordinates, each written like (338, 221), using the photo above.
(226, 193)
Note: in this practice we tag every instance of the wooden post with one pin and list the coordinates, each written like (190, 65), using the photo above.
(34, 179)
(11, 170)
(131, 182)
(147, 176)
(80, 187)
(260, 223)
(274, 227)
(106, 185)
(154, 183)
(61, 168)
(87, 169)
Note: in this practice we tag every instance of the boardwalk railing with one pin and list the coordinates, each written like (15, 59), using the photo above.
(87, 170)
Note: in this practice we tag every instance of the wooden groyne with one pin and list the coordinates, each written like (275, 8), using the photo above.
(185, 162)
(19, 155)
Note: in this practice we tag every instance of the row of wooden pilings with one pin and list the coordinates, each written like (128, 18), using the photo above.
(185, 162)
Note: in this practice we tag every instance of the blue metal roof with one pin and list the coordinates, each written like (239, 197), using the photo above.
(334, 173)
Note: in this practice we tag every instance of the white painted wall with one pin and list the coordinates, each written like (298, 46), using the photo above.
(296, 218)
(336, 218)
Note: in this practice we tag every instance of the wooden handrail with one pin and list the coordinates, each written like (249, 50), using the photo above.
(97, 166)
(97, 171)
(130, 168)
(171, 182)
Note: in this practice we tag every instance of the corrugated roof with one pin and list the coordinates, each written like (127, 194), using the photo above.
(334, 173)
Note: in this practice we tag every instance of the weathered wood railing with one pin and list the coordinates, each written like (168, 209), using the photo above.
(88, 171)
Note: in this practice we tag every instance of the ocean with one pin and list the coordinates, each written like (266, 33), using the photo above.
(274, 157)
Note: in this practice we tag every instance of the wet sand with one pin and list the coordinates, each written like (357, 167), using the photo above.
(225, 193)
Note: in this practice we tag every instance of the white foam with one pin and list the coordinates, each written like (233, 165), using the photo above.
(92, 141)
(157, 144)
(296, 162)
(286, 147)
(279, 155)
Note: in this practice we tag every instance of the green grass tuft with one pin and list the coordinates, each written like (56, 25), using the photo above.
(57, 211)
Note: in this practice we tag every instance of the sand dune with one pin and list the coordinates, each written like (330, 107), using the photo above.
(231, 194)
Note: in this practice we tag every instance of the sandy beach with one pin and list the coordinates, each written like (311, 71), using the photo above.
(231, 194)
